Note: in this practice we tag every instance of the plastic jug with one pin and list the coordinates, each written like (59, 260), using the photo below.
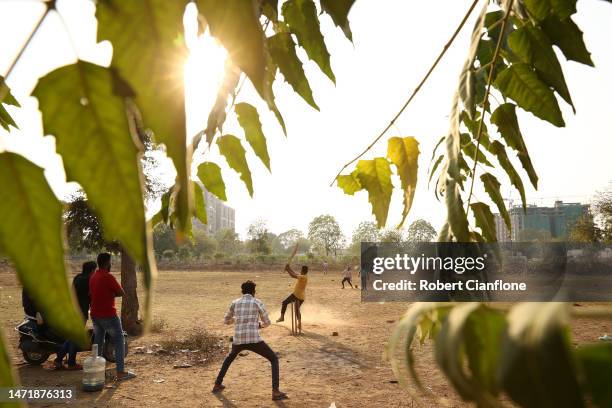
(94, 368)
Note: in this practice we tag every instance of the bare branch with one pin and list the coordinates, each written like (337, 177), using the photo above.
(414, 93)
(49, 6)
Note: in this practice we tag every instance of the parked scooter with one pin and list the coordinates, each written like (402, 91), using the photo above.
(37, 343)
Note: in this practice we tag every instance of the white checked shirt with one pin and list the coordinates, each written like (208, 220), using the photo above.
(245, 312)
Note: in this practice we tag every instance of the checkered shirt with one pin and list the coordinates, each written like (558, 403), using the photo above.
(246, 312)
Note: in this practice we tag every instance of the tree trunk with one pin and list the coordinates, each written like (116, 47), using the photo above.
(129, 302)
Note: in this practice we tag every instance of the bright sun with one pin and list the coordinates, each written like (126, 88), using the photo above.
(203, 72)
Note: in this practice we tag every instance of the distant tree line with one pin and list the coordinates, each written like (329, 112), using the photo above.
(324, 239)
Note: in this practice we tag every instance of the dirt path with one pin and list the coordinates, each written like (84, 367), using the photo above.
(316, 368)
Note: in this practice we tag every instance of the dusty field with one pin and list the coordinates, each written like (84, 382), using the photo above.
(316, 368)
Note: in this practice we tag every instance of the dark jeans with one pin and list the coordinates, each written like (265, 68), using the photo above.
(347, 280)
(260, 348)
(286, 302)
(113, 326)
(69, 348)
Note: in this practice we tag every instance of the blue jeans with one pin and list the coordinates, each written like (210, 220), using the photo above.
(113, 326)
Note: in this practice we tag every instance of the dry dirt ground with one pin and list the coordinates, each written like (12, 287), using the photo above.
(317, 369)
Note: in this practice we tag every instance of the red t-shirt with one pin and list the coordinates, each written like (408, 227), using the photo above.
(102, 289)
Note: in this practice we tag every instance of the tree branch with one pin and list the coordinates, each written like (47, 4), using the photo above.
(49, 6)
(414, 93)
(485, 99)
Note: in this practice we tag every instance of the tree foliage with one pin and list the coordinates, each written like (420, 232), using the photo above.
(289, 238)
(259, 237)
(602, 207)
(325, 234)
(525, 354)
(421, 231)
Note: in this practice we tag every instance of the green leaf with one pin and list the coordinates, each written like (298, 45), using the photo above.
(521, 84)
(91, 127)
(249, 120)
(236, 24)
(200, 205)
(210, 175)
(231, 148)
(506, 121)
(7, 376)
(404, 153)
(375, 176)
(349, 183)
(31, 236)
(469, 148)
(484, 220)
(338, 10)
(148, 52)
(595, 361)
(484, 54)
(217, 115)
(457, 218)
(491, 186)
(540, 9)
(269, 8)
(6, 98)
(472, 125)
(498, 149)
(403, 336)
(435, 166)
(163, 215)
(467, 79)
(533, 47)
(461, 330)
(537, 368)
(282, 50)
(483, 335)
(301, 16)
(566, 35)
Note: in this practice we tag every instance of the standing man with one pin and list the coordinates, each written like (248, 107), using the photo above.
(347, 276)
(246, 312)
(104, 288)
(80, 283)
(299, 292)
(325, 266)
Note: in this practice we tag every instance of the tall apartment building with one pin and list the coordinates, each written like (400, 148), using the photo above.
(218, 214)
(556, 221)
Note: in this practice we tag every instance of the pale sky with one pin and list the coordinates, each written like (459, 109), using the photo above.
(395, 42)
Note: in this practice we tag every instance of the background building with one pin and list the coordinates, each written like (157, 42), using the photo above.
(544, 222)
(218, 214)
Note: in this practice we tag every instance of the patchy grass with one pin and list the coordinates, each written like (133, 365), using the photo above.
(158, 325)
(195, 340)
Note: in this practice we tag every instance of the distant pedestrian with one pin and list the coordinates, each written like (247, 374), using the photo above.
(249, 315)
(347, 276)
(325, 266)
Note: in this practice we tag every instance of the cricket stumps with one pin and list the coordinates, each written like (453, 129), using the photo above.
(296, 318)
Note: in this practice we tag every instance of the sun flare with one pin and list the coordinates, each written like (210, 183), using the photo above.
(203, 73)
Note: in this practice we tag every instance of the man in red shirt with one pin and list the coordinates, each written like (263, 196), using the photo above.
(103, 289)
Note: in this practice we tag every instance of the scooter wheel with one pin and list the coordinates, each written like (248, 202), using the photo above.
(35, 357)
